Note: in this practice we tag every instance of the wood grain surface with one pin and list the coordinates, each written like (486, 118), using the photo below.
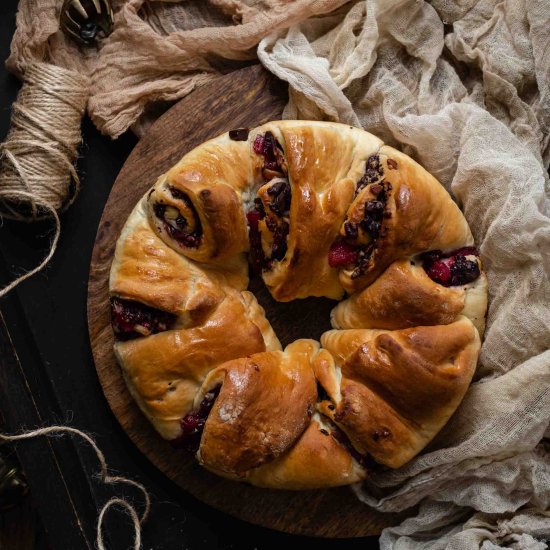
(245, 98)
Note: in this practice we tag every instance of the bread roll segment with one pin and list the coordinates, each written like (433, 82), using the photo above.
(421, 216)
(325, 160)
(316, 209)
(404, 296)
(399, 388)
(315, 460)
(265, 404)
(165, 371)
(146, 270)
(263, 427)
(207, 187)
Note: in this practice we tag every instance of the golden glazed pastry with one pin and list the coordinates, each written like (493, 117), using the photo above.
(316, 209)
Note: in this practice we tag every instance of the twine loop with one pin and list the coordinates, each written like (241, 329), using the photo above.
(105, 477)
(37, 174)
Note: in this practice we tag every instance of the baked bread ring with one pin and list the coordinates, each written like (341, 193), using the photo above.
(317, 209)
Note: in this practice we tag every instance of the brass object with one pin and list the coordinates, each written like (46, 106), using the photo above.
(87, 21)
(13, 487)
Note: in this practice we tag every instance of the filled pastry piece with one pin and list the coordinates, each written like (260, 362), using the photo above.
(197, 206)
(309, 171)
(171, 318)
(390, 392)
(407, 294)
(260, 424)
(164, 371)
(399, 210)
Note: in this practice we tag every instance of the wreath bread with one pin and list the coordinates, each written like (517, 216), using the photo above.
(316, 209)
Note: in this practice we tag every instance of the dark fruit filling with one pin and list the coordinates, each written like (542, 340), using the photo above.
(177, 225)
(372, 222)
(274, 160)
(279, 205)
(241, 134)
(265, 145)
(279, 193)
(279, 247)
(452, 268)
(192, 425)
(322, 394)
(178, 194)
(346, 251)
(256, 256)
(131, 319)
(280, 197)
(373, 172)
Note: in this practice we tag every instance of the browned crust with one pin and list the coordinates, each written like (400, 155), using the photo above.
(147, 271)
(214, 177)
(403, 296)
(265, 404)
(324, 164)
(165, 371)
(399, 388)
(315, 460)
(373, 426)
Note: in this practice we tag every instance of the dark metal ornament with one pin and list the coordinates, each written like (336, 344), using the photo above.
(87, 21)
(13, 488)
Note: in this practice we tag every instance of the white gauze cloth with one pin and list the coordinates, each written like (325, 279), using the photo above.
(464, 88)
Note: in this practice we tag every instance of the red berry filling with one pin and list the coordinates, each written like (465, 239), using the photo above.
(279, 205)
(258, 145)
(346, 252)
(466, 251)
(342, 254)
(453, 268)
(253, 218)
(274, 161)
(131, 319)
(256, 256)
(265, 145)
(192, 425)
(440, 271)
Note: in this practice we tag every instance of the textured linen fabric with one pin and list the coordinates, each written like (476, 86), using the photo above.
(463, 86)
(158, 51)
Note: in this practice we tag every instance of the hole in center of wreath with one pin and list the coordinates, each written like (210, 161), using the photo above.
(304, 318)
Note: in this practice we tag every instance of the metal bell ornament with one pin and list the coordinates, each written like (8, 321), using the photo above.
(13, 487)
(87, 21)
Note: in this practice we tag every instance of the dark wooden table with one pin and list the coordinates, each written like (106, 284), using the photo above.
(47, 376)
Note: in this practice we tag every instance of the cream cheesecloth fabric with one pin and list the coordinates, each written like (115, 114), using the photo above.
(472, 106)
(463, 86)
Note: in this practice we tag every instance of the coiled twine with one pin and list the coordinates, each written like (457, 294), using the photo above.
(37, 174)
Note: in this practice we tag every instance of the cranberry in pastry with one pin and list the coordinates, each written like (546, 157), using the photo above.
(132, 319)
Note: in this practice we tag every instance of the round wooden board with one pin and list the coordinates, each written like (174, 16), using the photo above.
(246, 98)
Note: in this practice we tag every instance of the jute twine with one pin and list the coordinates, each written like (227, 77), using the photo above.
(105, 477)
(37, 174)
